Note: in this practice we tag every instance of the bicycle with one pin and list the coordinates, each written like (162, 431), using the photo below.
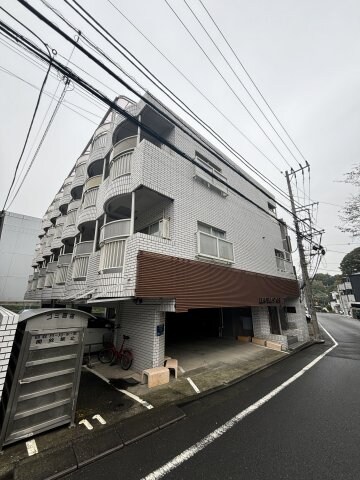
(110, 354)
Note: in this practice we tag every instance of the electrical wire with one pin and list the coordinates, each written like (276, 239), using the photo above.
(64, 70)
(240, 81)
(252, 80)
(30, 128)
(56, 109)
(228, 84)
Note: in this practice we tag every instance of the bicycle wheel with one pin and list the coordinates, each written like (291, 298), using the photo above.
(126, 360)
(106, 355)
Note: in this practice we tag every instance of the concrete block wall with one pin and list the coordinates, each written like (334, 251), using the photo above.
(299, 319)
(8, 324)
(139, 322)
(261, 326)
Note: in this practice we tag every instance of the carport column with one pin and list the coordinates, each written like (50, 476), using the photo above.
(132, 220)
(261, 323)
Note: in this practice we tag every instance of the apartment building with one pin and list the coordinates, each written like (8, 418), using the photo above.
(174, 241)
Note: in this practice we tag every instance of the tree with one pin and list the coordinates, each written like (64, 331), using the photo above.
(351, 262)
(320, 293)
(350, 214)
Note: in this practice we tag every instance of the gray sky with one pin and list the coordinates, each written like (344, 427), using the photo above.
(302, 55)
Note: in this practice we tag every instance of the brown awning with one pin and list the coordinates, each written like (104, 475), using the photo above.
(196, 284)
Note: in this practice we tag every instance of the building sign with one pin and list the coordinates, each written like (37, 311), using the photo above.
(269, 301)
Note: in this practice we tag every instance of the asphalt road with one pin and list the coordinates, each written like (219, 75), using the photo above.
(309, 430)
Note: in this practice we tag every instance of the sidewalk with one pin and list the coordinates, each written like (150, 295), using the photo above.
(131, 410)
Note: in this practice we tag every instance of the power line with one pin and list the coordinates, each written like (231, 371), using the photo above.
(56, 109)
(30, 127)
(65, 71)
(210, 102)
(114, 63)
(227, 83)
(240, 81)
(251, 79)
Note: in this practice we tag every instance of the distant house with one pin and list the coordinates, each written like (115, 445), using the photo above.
(17, 236)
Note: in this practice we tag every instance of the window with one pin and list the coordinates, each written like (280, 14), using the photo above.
(212, 243)
(291, 309)
(161, 228)
(272, 208)
(280, 260)
(207, 162)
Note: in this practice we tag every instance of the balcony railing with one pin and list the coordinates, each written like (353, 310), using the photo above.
(118, 228)
(128, 143)
(80, 268)
(112, 256)
(214, 247)
(49, 279)
(90, 197)
(92, 182)
(51, 267)
(84, 248)
(61, 274)
(211, 181)
(121, 165)
(65, 259)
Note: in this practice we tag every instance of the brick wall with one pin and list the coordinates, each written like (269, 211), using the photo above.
(8, 324)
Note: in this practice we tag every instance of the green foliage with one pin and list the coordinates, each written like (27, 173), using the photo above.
(322, 286)
(350, 214)
(351, 262)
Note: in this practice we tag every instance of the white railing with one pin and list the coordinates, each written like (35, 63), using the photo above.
(121, 165)
(215, 247)
(83, 248)
(61, 274)
(112, 255)
(92, 182)
(118, 228)
(49, 279)
(80, 267)
(51, 267)
(71, 218)
(128, 143)
(65, 259)
(90, 197)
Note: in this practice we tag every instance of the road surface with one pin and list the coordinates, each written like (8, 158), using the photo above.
(307, 429)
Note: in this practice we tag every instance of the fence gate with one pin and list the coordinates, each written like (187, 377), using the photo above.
(42, 380)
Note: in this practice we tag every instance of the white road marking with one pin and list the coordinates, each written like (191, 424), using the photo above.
(193, 385)
(125, 392)
(100, 418)
(31, 447)
(206, 441)
(86, 423)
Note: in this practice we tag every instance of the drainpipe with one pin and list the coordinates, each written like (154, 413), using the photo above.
(96, 235)
(132, 219)
(138, 132)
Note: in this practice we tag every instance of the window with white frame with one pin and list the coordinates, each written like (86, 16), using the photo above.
(161, 228)
(211, 243)
(280, 260)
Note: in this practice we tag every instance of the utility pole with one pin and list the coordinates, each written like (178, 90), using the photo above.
(304, 270)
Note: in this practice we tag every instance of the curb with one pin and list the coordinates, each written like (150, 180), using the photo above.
(57, 462)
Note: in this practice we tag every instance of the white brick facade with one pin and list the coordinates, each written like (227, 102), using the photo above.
(159, 186)
(8, 324)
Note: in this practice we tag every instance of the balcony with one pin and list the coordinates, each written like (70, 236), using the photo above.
(34, 281)
(64, 259)
(88, 211)
(209, 181)
(66, 197)
(50, 274)
(215, 248)
(84, 248)
(116, 229)
(59, 227)
(126, 144)
(79, 178)
(100, 145)
(41, 279)
(70, 229)
(48, 242)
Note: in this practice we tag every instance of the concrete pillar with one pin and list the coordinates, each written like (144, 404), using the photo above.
(132, 220)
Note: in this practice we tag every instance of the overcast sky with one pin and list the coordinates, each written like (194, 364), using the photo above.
(303, 56)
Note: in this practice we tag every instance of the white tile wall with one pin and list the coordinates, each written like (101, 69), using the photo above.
(8, 324)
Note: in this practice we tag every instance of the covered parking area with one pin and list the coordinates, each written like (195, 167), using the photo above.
(206, 336)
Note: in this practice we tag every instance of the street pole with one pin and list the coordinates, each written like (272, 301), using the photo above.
(304, 270)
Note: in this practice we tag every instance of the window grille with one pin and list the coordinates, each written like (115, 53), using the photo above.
(112, 255)
(80, 267)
